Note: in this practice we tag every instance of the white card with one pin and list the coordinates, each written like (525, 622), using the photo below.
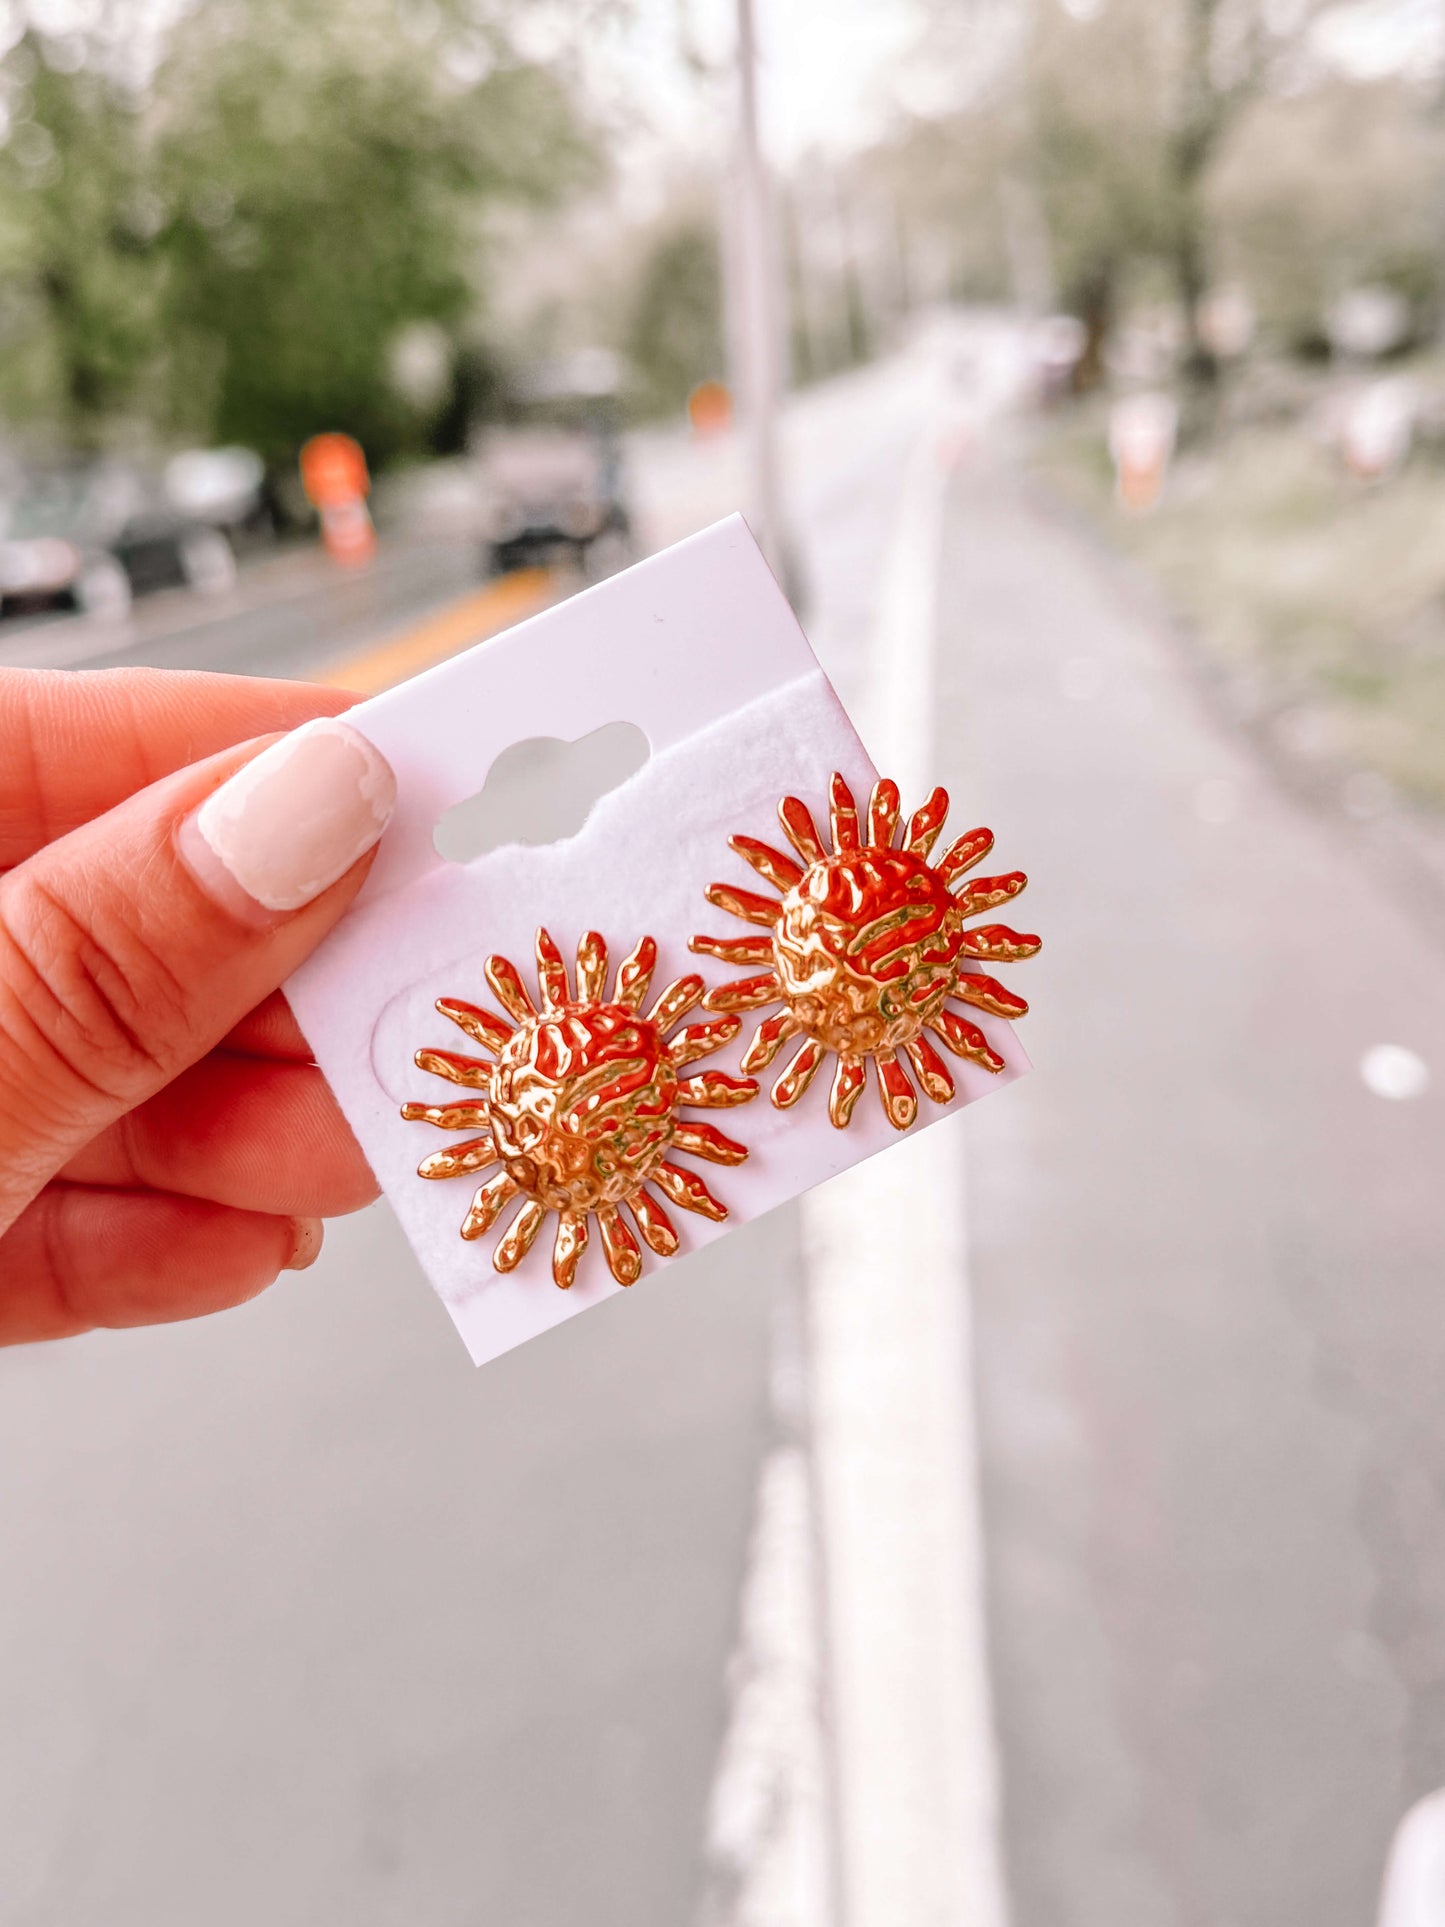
(696, 646)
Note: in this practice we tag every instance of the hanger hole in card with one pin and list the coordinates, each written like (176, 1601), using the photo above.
(541, 791)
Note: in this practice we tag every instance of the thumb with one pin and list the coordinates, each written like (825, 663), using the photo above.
(131, 946)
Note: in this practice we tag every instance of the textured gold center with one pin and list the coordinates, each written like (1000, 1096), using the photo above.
(867, 949)
(583, 1104)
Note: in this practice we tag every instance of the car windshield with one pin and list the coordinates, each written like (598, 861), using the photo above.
(53, 505)
(84, 505)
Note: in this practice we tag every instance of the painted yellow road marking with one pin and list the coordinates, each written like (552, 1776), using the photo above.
(481, 613)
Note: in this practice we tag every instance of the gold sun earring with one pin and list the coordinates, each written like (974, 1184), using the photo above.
(579, 1102)
(864, 946)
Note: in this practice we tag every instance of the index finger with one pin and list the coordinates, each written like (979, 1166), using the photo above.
(75, 742)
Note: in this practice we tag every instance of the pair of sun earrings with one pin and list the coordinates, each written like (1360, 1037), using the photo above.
(581, 1097)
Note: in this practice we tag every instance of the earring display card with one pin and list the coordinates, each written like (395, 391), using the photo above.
(699, 649)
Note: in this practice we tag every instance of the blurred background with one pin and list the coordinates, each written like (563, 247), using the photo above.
(1081, 366)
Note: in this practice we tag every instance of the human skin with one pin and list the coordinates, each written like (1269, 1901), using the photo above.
(167, 1146)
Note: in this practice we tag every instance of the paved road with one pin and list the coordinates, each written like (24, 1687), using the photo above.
(303, 1620)
(1209, 1269)
(291, 614)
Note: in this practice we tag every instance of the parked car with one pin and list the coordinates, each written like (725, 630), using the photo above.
(89, 536)
(551, 479)
(226, 488)
(51, 555)
(548, 498)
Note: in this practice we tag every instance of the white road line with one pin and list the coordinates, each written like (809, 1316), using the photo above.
(892, 1419)
(858, 1779)
(767, 1838)
(769, 1847)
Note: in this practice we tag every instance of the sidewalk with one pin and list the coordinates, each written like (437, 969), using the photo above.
(1207, 1265)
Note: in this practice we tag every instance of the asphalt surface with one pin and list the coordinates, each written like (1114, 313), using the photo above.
(306, 1620)
(292, 613)
(1207, 1267)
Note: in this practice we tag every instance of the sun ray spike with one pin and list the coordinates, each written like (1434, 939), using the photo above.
(799, 1074)
(508, 988)
(965, 1040)
(706, 1141)
(687, 1190)
(715, 1090)
(487, 1205)
(987, 893)
(619, 1247)
(925, 824)
(972, 847)
(996, 943)
(659, 1233)
(745, 993)
(470, 1071)
(634, 974)
(771, 865)
(843, 812)
(570, 1243)
(675, 1002)
(591, 970)
(699, 1039)
(458, 1159)
(482, 1026)
(551, 973)
(733, 950)
(768, 1039)
(800, 829)
(987, 993)
(449, 1117)
(848, 1081)
(883, 812)
(520, 1236)
(930, 1070)
(746, 904)
(900, 1101)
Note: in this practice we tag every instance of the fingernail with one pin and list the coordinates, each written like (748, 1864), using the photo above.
(296, 817)
(307, 1235)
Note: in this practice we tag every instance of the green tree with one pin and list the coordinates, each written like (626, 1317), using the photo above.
(78, 289)
(1330, 189)
(1113, 116)
(326, 178)
(222, 229)
(673, 337)
(1168, 81)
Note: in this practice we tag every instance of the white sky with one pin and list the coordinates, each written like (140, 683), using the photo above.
(835, 71)
(1372, 38)
(829, 70)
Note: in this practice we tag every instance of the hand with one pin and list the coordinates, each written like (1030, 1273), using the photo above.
(166, 1144)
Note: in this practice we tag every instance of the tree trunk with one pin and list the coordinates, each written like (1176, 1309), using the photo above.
(1094, 299)
(1191, 280)
(82, 384)
(1200, 125)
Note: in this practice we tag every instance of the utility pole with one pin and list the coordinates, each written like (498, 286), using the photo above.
(757, 309)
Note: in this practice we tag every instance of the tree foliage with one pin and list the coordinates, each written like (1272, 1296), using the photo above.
(1329, 189)
(231, 248)
(673, 338)
(1127, 108)
(1175, 142)
(77, 289)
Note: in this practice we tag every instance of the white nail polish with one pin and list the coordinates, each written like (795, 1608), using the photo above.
(292, 821)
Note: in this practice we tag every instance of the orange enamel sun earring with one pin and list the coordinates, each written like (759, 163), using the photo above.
(579, 1101)
(863, 948)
